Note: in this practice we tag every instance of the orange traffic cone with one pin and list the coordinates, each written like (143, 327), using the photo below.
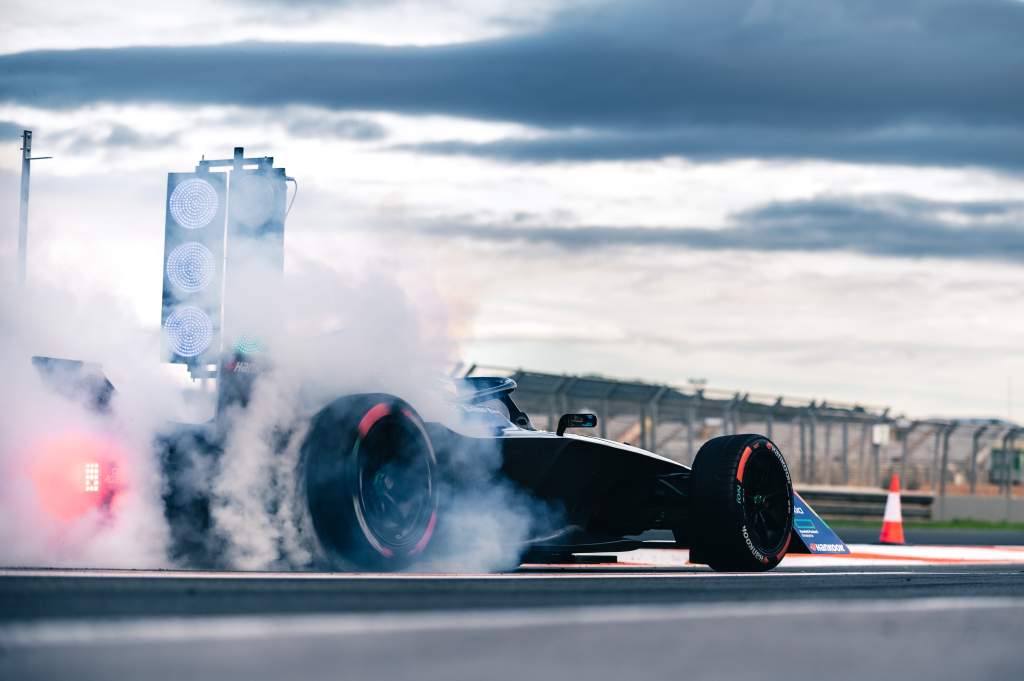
(892, 522)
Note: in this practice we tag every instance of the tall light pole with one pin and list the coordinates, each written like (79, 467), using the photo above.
(26, 171)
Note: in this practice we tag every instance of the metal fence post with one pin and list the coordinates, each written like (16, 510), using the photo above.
(812, 472)
(905, 450)
(728, 425)
(975, 438)
(691, 425)
(771, 417)
(652, 409)
(803, 447)
(643, 428)
(737, 413)
(876, 461)
(602, 424)
(936, 456)
(1009, 444)
(865, 435)
(846, 451)
(947, 432)
(828, 450)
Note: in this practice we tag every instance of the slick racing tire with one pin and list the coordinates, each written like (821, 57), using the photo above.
(369, 472)
(741, 504)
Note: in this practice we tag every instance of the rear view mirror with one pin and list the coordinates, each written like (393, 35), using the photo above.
(575, 421)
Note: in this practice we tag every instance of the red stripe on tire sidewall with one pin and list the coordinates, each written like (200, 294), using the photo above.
(743, 464)
(374, 414)
(427, 534)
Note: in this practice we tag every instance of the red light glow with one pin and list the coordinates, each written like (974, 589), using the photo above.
(76, 473)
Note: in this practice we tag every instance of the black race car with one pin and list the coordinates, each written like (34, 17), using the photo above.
(376, 477)
(376, 483)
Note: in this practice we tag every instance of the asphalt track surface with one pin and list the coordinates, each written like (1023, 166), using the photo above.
(590, 623)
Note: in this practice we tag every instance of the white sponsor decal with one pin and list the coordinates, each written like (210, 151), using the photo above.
(828, 548)
(750, 545)
(244, 368)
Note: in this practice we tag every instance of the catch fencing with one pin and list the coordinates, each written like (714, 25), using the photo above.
(829, 445)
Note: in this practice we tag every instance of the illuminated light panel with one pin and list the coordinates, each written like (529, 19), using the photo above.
(92, 477)
(194, 203)
(191, 266)
(189, 331)
(73, 474)
(248, 345)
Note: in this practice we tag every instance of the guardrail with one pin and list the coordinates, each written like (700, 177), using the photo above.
(845, 502)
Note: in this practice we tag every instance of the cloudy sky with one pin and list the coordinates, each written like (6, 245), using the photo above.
(810, 197)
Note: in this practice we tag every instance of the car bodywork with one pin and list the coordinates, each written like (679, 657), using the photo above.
(607, 493)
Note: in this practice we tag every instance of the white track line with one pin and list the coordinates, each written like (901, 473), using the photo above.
(863, 555)
(278, 627)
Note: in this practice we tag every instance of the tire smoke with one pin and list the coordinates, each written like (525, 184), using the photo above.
(322, 333)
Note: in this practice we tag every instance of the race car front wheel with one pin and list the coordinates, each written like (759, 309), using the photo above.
(369, 472)
(741, 513)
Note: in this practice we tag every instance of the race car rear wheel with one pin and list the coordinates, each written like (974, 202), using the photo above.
(369, 472)
(741, 504)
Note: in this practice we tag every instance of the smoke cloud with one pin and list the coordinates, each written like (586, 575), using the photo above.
(323, 332)
(330, 334)
(47, 439)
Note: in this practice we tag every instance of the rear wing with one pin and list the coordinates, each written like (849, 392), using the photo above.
(81, 382)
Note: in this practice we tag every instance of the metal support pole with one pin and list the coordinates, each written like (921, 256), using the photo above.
(936, 455)
(563, 390)
(602, 425)
(975, 439)
(26, 176)
(803, 449)
(846, 451)
(865, 435)
(554, 400)
(652, 409)
(691, 425)
(905, 451)
(811, 472)
(1009, 443)
(26, 171)
(946, 433)
(737, 412)
(770, 421)
(643, 428)
(794, 431)
(727, 423)
(876, 465)
(828, 450)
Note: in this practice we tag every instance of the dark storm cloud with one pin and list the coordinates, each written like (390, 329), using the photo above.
(830, 74)
(898, 226)
(115, 135)
(1001, 147)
